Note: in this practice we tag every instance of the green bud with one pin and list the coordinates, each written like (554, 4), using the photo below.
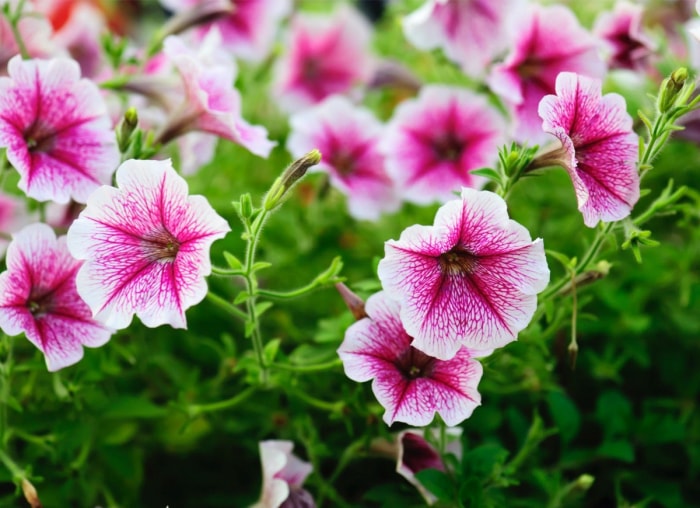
(246, 206)
(671, 88)
(291, 175)
(126, 129)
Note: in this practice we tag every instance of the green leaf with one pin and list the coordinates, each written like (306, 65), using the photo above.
(437, 482)
(489, 173)
(249, 327)
(126, 407)
(270, 350)
(619, 449)
(261, 307)
(233, 262)
(241, 298)
(565, 414)
(261, 265)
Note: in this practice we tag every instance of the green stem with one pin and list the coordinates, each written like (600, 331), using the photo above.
(17, 472)
(331, 407)
(5, 372)
(251, 283)
(348, 455)
(226, 305)
(14, 20)
(198, 409)
(308, 368)
(288, 295)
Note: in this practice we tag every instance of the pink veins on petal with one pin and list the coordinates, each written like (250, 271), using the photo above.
(469, 280)
(599, 147)
(56, 129)
(409, 384)
(38, 297)
(146, 246)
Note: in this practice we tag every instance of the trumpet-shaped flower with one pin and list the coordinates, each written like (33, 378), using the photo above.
(326, 55)
(549, 41)
(283, 476)
(56, 129)
(469, 280)
(411, 385)
(470, 32)
(211, 103)
(628, 45)
(249, 30)
(347, 136)
(599, 148)
(434, 141)
(145, 245)
(38, 297)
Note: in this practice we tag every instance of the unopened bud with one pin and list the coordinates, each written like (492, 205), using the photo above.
(246, 205)
(354, 302)
(30, 494)
(126, 128)
(671, 88)
(291, 175)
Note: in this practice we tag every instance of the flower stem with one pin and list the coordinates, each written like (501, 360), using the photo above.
(198, 409)
(308, 368)
(5, 373)
(227, 306)
(331, 407)
(14, 19)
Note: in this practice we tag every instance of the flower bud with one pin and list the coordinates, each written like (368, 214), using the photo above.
(671, 88)
(126, 128)
(30, 494)
(291, 175)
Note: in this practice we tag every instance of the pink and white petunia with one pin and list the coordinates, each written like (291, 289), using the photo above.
(469, 280)
(432, 142)
(326, 55)
(145, 245)
(283, 476)
(56, 129)
(347, 136)
(549, 40)
(470, 32)
(38, 297)
(411, 385)
(249, 30)
(599, 147)
(211, 104)
(628, 45)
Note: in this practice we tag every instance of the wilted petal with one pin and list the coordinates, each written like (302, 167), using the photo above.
(601, 147)
(469, 280)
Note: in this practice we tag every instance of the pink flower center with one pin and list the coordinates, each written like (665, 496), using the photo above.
(38, 138)
(413, 363)
(458, 261)
(448, 147)
(343, 163)
(311, 69)
(40, 303)
(162, 246)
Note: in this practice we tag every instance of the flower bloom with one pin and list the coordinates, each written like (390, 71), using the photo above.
(283, 476)
(327, 54)
(145, 245)
(211, 103)
(249, 30)
(470, 32)
(56, 129)
(549, 41)
(38, 297)
(599, 147)
(432, 142)
(469, 280)
(411, 385)
(347, 137)
(628, 45)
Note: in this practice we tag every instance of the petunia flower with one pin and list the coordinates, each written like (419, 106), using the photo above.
(347, 136)
(432, 142)
(56, 129)
(38, 297)
(326, 55)
(469, 280)
(145, 245)
(283, 476)
(249, 30)
(599, 148)
(411, 385)
(549, 40)
(628, 45)
(470, 32)
(211, 104)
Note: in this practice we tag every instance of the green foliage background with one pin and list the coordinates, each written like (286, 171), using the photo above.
(115, 430)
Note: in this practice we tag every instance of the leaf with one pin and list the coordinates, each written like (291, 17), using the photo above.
(241, 298)
(126, 407)
(437, 482)
(261, 265)
(565, 414)
(270, 351)
(489, 173)
(619, 449)
(261, 307)
(233, 262)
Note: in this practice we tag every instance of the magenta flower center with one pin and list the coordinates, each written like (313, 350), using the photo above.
(38, 138)
(448, 147)
(40, 303)
(413, 363)
(311, 69)
(163, 246)
(343, 163)
(458, 261)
